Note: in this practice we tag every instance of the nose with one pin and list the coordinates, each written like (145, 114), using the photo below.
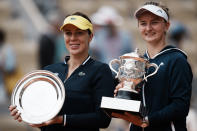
(149, 26)
(73, 36)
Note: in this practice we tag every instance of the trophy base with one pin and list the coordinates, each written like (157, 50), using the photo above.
(117, 105)
(110, 112)
(129, 95)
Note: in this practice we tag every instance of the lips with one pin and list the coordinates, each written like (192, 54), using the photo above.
(74, 46)
(150, 34)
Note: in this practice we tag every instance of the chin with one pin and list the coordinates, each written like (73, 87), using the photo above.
(74, 52)
(150, 39)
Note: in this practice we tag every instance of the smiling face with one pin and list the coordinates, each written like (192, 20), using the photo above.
(77, 40)
(152, 27)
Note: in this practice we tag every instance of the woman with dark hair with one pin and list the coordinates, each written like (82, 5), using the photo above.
(85, 79)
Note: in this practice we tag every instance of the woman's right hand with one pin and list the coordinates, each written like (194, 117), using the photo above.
(14, 113)
(120, 85)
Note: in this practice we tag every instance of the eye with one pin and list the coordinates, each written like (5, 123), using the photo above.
(79, 33)
(143, 23)
(155, 22)
(68, 33)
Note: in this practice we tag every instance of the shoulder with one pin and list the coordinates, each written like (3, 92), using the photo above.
(98, 67)
(178, 58)
(178, 63)
(98, 64)
(55, 67)
(174, 59)
(174, 55)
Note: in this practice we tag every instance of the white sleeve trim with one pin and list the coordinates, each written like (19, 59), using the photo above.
(64, 120)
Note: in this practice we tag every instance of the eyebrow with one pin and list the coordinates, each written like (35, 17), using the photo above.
(74, 30)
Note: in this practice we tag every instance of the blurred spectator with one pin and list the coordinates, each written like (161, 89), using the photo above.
(192, 115)
(178, 32)
(109, 41)
(7, 64)
(46, 49)
(51, 43)
(191, 120)
(60, 49)
(46, 6)
(118, 125)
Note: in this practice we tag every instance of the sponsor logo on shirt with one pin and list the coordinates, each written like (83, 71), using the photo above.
(81, 73)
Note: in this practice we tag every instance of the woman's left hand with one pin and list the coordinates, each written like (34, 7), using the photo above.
(56, 120)
(120, 85)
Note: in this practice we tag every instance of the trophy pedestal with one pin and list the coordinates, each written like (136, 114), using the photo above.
(118, 105)
(129, 95)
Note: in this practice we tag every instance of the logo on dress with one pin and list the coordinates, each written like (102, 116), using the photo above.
(82, 74)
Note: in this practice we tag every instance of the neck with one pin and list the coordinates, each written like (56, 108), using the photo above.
(76, 61)
(155, 48)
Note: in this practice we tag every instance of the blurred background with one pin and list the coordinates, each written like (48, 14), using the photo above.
(30, 39)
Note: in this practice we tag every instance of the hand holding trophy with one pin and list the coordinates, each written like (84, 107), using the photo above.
(132, 75)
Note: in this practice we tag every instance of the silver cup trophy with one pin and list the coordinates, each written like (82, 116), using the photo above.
(131, 72)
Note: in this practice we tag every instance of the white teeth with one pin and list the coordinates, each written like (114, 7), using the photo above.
(74, 45)
(149, 34)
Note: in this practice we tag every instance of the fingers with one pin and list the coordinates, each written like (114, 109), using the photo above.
(143, 125)
(17, 116)
(19, 119)
(14, 112)
(115, 92)
(120, 85)
(11, 107)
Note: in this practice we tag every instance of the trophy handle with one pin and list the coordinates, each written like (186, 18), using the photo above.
(113, 62)
(156, 69)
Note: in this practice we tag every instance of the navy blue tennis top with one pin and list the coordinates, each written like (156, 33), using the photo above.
(168, 92)
(84, 90)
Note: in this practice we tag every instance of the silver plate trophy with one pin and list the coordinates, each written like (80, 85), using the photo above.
(39, 96)
(132, 73)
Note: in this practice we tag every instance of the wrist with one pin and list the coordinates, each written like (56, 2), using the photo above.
(145, 122)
